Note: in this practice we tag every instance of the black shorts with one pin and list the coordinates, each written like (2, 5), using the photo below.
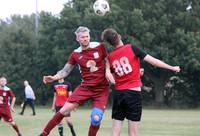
(127, 104)
(58, 109)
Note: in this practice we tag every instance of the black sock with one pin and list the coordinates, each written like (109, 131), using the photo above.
(72, 129)
(60, 130)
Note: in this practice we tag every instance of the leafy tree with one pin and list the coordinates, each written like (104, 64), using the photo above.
(164, 29)
(17, 51)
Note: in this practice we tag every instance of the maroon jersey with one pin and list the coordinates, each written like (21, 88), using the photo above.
(125, 63)
(5, 94)
(62, 93)
(92, 64)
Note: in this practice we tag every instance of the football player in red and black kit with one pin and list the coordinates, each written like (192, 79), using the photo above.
(5, 108)
(91, 58)
(124, 61)
(62, 90)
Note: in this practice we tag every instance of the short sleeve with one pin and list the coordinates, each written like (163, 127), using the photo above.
(139, 52)
(71, 60)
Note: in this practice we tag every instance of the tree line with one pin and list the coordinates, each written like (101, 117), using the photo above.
(164, 29)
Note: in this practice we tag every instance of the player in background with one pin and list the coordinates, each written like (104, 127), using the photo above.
(92, 60)
(5, 108)
(29, 98)
(62, 90)
(125, 62)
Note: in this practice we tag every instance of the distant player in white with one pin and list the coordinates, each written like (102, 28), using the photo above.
(29, 98)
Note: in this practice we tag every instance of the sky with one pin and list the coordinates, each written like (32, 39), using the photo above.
(27, 7)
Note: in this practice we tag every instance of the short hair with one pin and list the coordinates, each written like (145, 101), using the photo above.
(26, 81)
(81, 29)
(2, 77)
(111, 36)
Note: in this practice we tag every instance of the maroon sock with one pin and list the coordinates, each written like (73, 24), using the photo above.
(56, 119)
(16, 128)
(93, 130)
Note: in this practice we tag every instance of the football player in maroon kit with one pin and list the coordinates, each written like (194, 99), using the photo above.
(124, 61)
(62, 90)
(5, 108)
(91, 58)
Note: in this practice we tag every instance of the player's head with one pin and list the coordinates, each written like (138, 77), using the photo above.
(26, 83)
(61, 80)
(83, 36)
(3, 81)
(111, 36)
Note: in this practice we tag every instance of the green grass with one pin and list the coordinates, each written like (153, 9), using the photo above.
(154, 123)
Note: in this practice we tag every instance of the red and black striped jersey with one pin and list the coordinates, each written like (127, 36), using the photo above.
(62, 92)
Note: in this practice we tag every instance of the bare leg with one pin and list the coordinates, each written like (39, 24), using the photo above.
(133, 128)
(116, 127)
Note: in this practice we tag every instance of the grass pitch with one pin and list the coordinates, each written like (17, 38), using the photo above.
(154, 122)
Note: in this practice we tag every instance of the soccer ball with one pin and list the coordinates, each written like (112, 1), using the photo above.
(101, 7)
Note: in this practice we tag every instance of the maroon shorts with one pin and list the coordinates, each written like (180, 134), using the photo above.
(99, 96)
(6, 114)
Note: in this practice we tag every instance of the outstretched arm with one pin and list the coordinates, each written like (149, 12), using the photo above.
(60, 74)
(161, 64)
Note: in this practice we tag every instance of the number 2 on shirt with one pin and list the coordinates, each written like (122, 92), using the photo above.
(122, 66)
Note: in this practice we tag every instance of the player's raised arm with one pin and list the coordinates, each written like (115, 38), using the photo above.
(60, 74)
(161, 64)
